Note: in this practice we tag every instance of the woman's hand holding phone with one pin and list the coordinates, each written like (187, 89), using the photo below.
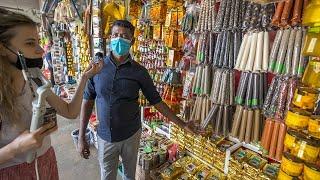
(33, 140)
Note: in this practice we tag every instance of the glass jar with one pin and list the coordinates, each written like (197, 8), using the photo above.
(314, 126)
(311, 46)
(291, 165)
(307, 149)
(311, 13)
(312, 74)
(302, 146)
(305, 98)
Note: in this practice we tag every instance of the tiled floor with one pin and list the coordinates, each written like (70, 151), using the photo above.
(71, 166)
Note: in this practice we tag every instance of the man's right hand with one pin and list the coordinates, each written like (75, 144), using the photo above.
(83, 148)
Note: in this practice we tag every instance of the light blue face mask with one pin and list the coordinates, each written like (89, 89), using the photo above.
(120, 46)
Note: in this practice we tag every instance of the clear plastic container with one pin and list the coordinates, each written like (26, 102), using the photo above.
(311, 75)
(311, 46)
(311, 13)
(302, 146)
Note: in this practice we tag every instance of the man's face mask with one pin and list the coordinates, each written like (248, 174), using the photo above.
(120, 46)
(30, 62)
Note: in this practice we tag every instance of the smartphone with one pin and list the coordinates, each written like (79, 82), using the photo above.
(97, 57)
(50, 116)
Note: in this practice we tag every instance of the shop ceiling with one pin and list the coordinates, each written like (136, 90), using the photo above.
(21, 4)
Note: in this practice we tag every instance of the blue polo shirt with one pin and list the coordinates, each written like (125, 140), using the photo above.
(116, 91)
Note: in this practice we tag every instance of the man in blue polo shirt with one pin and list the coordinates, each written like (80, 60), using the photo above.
(116, 92)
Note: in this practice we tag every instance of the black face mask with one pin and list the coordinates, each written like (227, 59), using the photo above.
(30, 62)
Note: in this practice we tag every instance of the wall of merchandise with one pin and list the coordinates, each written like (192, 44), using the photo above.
(246, 72)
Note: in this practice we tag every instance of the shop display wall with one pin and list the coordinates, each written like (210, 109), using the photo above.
(245, 72)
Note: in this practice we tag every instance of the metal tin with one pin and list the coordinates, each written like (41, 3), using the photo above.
(311, 171)
(291, 165)
(155, 159)
(297, 119)
(283, 176)
(147, 161)
(162, 156)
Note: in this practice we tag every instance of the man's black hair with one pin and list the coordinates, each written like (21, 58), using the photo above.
(125, 24)
(99, 54)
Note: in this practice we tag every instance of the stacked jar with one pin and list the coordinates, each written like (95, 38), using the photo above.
(302, 141)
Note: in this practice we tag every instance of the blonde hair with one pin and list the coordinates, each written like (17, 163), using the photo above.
(9, 20)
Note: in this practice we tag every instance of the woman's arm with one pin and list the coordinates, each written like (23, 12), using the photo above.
(7, 153)
(71, 110)
(26, 141)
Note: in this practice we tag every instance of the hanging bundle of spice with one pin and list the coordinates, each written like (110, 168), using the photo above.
(226, 49)
(247, 124)
(279, 96)
(206, 17)
(254, 52)
(257, 16)
(251, 90)
(186, 109)
(272, 139)
(247, 120)
(222, 91)
(222, 97)
(230, 15)
(205, 49)
(288, 13)
(200, 110)
(202, 81)
(201, 87)
(280, 91)
(220, 116)
(285, 56)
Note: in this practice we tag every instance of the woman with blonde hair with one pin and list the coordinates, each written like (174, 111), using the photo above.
(18, 33)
